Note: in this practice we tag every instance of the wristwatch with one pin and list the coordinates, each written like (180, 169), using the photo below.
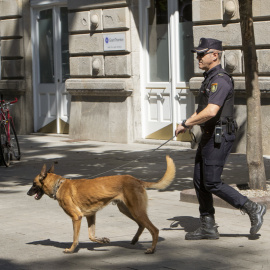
(184, 124)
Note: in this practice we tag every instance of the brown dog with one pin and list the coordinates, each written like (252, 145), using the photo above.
(84, 197)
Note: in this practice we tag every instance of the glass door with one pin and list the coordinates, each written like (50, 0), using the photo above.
(168, 61)
(51, 69)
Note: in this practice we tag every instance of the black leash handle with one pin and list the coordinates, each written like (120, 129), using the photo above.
(193, 137)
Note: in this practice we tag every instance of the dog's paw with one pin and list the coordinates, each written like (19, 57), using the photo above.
(67, 250)
(150, 251)
(104, 240)
(134, 240)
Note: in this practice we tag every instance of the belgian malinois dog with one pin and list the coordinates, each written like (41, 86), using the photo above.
(84, 197)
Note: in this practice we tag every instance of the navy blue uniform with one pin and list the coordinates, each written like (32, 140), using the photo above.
(217, 88)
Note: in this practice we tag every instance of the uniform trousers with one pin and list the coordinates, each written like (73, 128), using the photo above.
(209, 163)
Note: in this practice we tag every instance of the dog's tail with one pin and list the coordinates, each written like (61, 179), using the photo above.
(167, 178)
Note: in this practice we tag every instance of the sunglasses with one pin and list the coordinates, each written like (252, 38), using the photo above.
(202, 54)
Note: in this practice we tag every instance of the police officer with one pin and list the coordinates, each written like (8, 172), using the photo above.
(216, 119)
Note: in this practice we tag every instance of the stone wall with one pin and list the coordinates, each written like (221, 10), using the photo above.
(220, 19)
(102, 77)
(16, 67)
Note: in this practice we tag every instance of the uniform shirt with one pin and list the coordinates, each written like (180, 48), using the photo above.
(220, 87)
(216, 88)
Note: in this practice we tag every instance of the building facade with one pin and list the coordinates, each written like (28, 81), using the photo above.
(121, 71)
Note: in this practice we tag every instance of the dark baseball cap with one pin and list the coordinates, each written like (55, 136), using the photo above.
(206, 44)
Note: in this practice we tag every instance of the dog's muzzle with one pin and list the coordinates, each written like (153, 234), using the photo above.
(38, 192)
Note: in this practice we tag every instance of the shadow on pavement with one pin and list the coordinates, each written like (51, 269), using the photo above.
(89, 159)
(141, 245)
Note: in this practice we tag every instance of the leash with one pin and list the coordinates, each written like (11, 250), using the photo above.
(134, 160)
(151, 151)
(163, 143)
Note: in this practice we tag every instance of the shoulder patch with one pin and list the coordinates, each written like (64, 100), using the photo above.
(220, 74)
(214, 87)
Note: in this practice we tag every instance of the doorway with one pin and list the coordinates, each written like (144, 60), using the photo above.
(51, 69)
(167, 39)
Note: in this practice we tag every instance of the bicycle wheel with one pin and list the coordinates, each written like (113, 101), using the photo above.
(4, 151)
(14, 143)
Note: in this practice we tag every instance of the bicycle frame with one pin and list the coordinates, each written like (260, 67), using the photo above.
(5, 116)
(9, 143)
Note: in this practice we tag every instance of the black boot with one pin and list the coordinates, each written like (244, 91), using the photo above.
(255, 212)
(208, 229)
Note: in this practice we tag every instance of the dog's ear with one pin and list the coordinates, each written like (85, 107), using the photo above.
(51, 170)
(43, 173)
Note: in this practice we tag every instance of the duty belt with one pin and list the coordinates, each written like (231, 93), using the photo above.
(207, 130)
(225, 128)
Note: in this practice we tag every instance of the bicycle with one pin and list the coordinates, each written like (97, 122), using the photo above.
(10, 147)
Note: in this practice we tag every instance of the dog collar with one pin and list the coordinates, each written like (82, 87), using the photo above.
(57, 185)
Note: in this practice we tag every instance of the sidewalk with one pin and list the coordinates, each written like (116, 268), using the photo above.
(34, 233)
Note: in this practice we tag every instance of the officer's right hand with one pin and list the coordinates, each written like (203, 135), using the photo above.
(180, 129)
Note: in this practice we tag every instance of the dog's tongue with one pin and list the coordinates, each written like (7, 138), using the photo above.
(36, 196)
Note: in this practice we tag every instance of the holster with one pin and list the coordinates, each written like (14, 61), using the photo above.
(231, 127)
